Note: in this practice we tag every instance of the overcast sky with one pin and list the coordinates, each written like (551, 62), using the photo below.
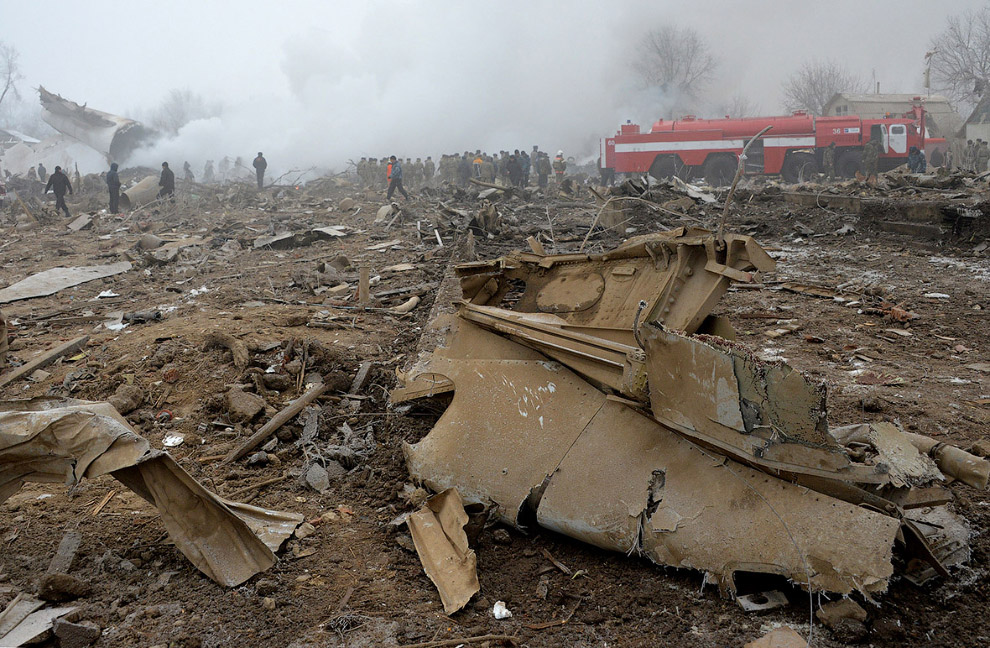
(317, 83)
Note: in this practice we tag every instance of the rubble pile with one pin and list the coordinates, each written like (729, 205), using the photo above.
(306, 415)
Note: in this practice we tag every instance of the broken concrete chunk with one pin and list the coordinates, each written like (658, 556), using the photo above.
(784, 637)
(347, 204)
(76, 635)
(318, 478)
(150, 242)
(241, 406)
(62, 587)
(127, 398)
(830, 613)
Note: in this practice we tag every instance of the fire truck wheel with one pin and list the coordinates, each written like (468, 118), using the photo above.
(663, 168)
(849, 163)
(798, 167)
(719, 171)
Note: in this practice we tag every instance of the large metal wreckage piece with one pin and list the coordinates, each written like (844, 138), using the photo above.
(597, 396)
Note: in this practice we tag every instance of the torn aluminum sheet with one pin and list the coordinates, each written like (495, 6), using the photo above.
(52, 440)
(113, 136)
(437, 530)
(764, 413)
(51, 281)
(530, 437)
(681, 274)
(713, 451)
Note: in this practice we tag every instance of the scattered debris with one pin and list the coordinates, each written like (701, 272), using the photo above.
(228, 542)
(43, 360)
(51, 281)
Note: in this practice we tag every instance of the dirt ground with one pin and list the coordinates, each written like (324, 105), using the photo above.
(356, 582)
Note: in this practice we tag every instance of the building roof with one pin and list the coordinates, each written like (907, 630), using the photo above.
(854, 97)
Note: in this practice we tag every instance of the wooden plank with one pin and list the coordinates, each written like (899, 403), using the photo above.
(66, 553)
(273, 425)
(43, 360)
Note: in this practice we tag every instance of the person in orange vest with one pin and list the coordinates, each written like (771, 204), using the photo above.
(395, 178)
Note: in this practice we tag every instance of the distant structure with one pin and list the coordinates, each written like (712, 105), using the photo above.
(941, 118)
(977, 125)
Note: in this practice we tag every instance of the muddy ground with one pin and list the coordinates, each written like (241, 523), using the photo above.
(356, 582)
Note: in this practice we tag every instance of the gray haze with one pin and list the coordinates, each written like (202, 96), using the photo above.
(318, 83)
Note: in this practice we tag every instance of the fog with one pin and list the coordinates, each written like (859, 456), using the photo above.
(315, 84)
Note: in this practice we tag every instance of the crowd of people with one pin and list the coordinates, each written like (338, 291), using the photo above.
(976, 156)
(516, 168)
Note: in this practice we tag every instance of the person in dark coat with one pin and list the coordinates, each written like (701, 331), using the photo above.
(43, 172)
(167, 183)
(58, 182)
(395, 179)
(113, 186)
(260, 164)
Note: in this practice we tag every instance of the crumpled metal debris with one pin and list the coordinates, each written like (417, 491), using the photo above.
(606, 403)
(64, 440)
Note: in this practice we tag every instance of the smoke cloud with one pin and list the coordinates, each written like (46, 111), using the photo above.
(425, 79)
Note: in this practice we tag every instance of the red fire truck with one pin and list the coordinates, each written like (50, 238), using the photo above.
(793, 146)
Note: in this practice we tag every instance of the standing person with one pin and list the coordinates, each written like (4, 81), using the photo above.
(32, 174)
(982, 157)
(187, 170)
(395, 179)
(463, 170)
(543, 169)
(526, 164)
(535, 157)
(42, 172)
(829, 161)
(224, 168)
(515, 170)
(58, 182)
(208, 172)
(428, 170)
(113, 186)
(559, 167)
(260, 164)
(871, 152)
(166, 182)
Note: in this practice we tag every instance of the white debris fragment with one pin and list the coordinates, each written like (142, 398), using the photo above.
(500, 611)
(173, 440)
(936, 296)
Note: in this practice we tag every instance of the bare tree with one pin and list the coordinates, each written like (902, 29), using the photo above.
(738, 105)
(810, 87)
(678, 62)
(179, 108)
(10, 71)
(960, 56)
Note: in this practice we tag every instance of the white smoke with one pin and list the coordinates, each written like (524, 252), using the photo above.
(418, 79)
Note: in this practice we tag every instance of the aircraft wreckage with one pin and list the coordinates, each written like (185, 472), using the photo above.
(596, 395)
(114, 136)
